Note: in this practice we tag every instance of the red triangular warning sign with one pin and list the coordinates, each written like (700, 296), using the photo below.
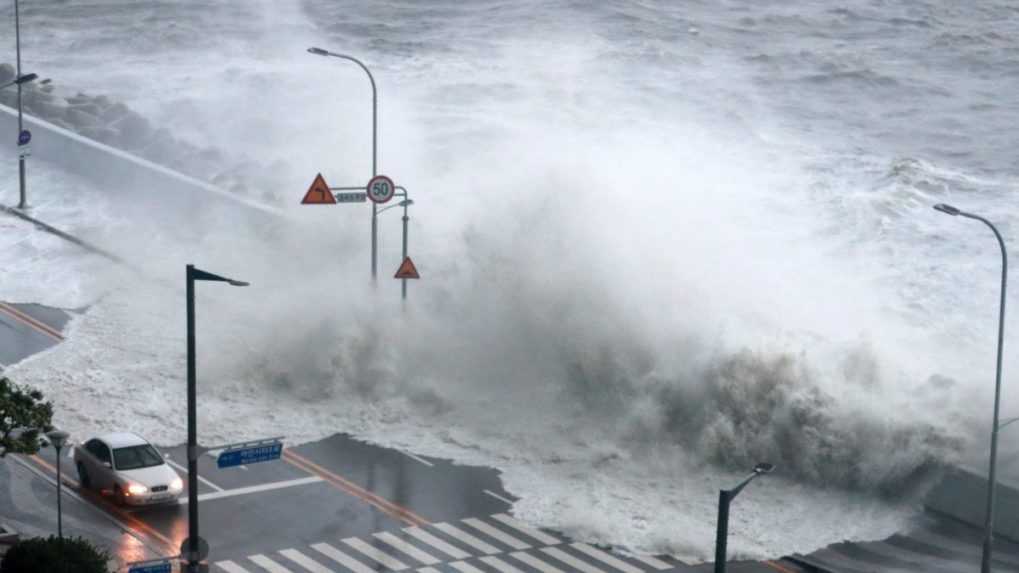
(407, 270)
(318, 193)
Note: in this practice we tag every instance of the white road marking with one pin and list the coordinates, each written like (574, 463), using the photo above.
(413, 457)
(252, 489)
(465, 567)
(268, 564)
(428, 570)
(466, 538)
(656, 563)
(527, 530)
(571, 560)
(437, 543)
(497, 534)
(304, 561)
(536, 563)
(500, 565)
(230, 567)
(383, 558)
(407, 548)
(606, 558)
(498, 497)
(200, 478)
(342, 558)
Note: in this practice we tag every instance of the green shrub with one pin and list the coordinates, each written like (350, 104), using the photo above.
(23, 413)
(49, 555)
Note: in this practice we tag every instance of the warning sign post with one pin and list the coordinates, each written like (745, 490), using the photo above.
(380, 189)
(407, 270)
(318, 193)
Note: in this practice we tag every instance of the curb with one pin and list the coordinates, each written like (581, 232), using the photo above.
(57, 232)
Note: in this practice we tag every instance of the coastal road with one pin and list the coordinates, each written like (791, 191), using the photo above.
(343, 505)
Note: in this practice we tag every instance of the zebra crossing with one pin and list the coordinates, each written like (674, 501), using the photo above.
(496, 544)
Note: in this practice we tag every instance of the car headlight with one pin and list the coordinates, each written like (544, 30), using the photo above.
(137, 489)
(177, 484)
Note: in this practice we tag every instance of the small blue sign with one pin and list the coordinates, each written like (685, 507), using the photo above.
(251, 455)
(163, 567)
(24, 137)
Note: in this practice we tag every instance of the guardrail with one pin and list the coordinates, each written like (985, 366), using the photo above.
(962, 495)
(123, 172)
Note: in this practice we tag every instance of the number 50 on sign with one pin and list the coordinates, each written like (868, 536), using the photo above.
(381, 189)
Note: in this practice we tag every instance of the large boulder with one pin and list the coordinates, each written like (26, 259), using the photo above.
(134, 129)
(114, 112)
(100, 133)
(87, 107)
(78, 99)
(80, 118)
(45, 109)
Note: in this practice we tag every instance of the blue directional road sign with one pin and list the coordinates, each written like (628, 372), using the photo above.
(250, 455)
(151, 567)
(24, 137)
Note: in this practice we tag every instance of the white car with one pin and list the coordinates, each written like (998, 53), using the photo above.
(127, 466)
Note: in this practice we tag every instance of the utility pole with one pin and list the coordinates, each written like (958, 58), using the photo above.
(21, 156)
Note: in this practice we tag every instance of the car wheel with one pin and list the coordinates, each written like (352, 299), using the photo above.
(83, 478)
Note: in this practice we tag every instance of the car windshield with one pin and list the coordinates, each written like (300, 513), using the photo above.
(136, 457)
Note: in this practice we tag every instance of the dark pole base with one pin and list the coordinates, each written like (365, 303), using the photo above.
(22, 202)
(721, 536)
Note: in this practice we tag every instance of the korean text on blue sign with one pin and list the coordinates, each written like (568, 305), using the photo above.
(245, 456)
(163, 567)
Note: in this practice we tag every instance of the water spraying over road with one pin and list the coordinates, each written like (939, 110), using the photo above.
(650, 259)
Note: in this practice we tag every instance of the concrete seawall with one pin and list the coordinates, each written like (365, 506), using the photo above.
(962, 495)
(127, 174)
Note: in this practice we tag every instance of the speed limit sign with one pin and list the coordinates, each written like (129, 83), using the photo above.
(381, 189)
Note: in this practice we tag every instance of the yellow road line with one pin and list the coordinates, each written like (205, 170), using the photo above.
(401, 513)
(778, 567)
(30, 322)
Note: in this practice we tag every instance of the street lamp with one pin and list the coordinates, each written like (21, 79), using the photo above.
(20, 80)
(193, 554)
(375, 146)
(21, 126)
(58, 438)
(985, 564)
(725, 496)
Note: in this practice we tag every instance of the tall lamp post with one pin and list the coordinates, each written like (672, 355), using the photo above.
(725, 497)
(21, 127)
(58, 438)
(192, 554)
(985, 564)
(375, 146)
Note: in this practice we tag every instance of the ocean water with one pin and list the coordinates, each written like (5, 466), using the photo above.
(659, 242)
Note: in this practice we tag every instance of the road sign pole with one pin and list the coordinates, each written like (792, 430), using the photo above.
(21, 158)
(375, 235)
(403, 286)
(192, 429)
